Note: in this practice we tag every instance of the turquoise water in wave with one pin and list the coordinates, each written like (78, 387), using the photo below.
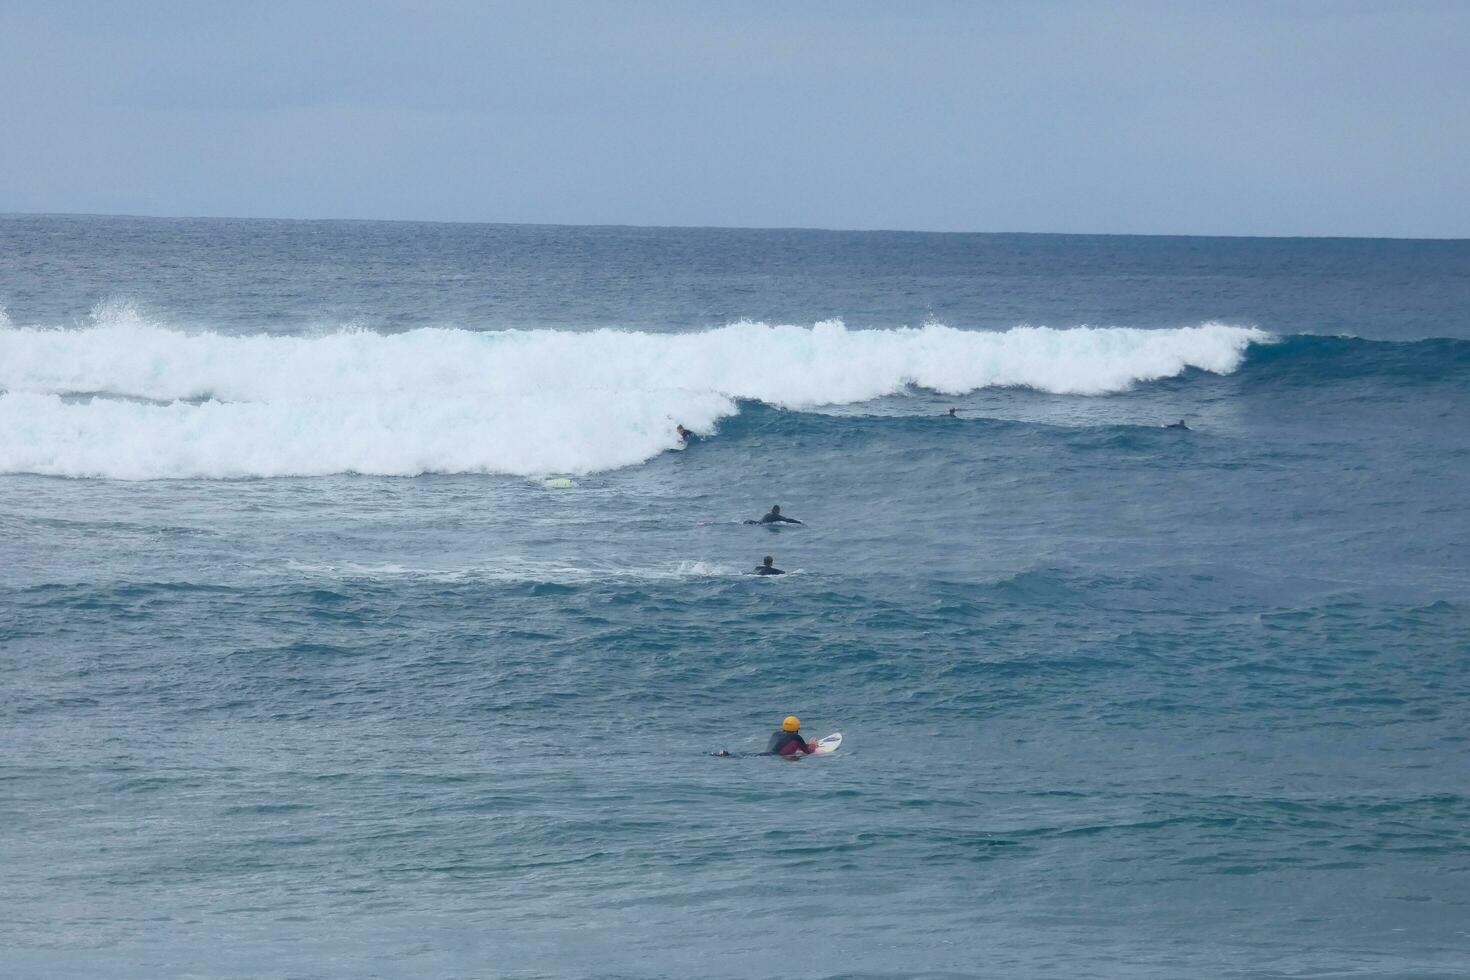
(310, 674)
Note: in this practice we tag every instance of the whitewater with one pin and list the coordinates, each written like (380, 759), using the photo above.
(129, 398)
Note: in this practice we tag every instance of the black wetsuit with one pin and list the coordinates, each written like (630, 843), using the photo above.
(768, 570)
(786, 743)
(777, 518)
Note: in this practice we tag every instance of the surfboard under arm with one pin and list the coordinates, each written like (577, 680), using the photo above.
(829, 744)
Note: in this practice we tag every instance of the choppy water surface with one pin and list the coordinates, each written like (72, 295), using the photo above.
(310, 673)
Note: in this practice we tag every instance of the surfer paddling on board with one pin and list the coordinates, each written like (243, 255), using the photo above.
(788, 740)
(774, 517)
(789, 744)
(767, 568)
(1177, 425)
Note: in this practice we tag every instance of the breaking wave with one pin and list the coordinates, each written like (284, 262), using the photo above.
(129, 398)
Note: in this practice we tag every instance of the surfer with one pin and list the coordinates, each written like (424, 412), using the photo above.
(766, 568)
(952, 415)
(788, 740)
(774, 517)
(684, 433)
(1178, 425)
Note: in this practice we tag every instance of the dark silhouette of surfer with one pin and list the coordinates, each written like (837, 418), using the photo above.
(684, 434)
(951, 414)
(774, 517)
(767, 568)
(1178, 425)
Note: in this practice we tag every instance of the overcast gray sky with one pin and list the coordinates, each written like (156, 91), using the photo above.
(1297, 117)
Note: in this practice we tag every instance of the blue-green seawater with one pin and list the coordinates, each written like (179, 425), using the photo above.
(1117, 700)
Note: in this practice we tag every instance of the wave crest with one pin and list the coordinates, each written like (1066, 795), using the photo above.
(132, 399)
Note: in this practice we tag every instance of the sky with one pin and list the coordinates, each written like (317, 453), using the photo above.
(1293, 117)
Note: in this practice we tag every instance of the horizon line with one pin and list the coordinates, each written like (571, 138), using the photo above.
(701, 227)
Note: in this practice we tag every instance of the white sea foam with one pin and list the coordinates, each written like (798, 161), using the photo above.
(164, 403)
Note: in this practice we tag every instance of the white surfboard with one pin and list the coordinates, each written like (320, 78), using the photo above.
(829, 744)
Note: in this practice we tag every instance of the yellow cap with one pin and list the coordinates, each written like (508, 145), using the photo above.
(791, 724)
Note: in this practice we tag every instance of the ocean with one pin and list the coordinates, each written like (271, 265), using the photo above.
(362, 614)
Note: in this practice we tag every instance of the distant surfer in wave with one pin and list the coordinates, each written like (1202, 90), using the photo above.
(767, 568)
(788, 740)
(951, 414)
(1178, 425)
(684, 433)
(774, 517)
